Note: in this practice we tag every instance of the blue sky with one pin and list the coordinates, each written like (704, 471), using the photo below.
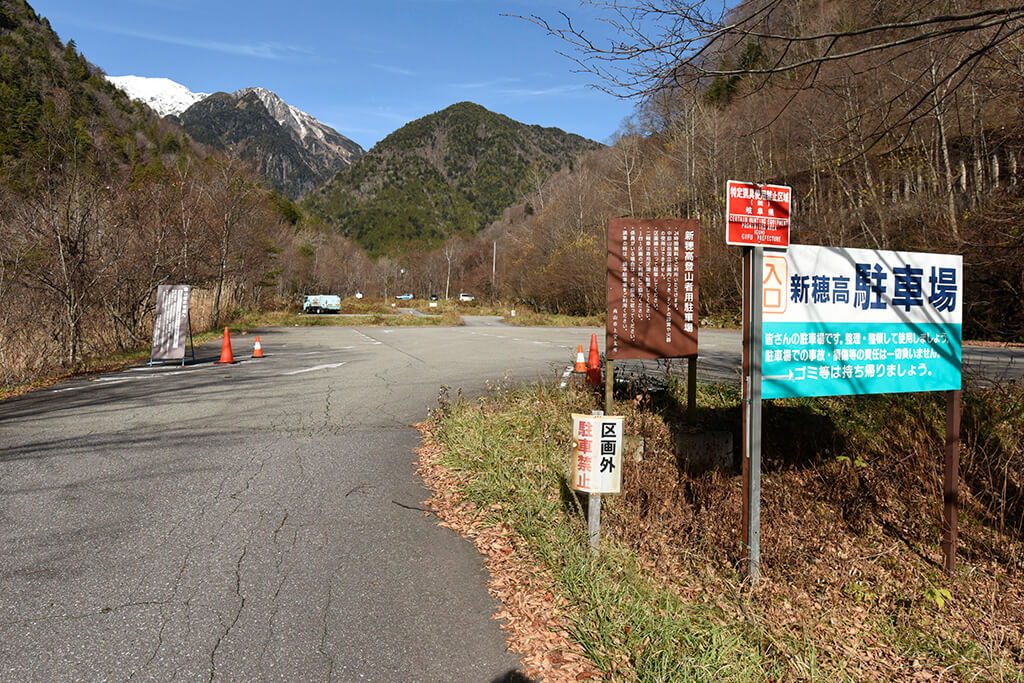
(365, 68)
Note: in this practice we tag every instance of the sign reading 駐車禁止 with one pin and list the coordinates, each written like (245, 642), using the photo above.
(596, 458)
(860, 321)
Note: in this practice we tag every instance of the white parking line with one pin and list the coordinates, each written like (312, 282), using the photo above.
(317, 367)
(105, 382)
(367, 337)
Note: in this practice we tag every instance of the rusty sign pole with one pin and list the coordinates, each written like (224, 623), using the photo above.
(951, 481)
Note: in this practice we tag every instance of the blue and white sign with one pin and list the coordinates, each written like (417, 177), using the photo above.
(860, 321)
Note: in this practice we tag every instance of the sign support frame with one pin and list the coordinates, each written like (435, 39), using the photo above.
(594, 512)
(951, 482)
(753, 306)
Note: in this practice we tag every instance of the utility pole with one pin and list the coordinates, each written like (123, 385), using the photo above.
(494, 263)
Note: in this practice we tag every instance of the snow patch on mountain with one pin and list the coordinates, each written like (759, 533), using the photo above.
(163, 95)
(285, 114)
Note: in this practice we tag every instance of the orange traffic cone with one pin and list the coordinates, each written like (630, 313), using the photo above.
(581, 365)
(594, 364)
(257, 350)
(226, 357)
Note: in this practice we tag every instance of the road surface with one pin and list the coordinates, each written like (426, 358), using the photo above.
(258, 521)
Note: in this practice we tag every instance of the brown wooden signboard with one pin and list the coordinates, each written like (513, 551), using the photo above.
(652, 288)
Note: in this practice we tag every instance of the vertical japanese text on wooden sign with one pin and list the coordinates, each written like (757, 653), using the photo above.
(652, 288)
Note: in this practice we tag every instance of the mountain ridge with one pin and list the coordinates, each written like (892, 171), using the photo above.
(293, 150)
(445, 174)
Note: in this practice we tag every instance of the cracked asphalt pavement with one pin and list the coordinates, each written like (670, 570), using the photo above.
(257, 521)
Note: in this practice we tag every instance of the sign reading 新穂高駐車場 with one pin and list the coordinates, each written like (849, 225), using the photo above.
(860, 321)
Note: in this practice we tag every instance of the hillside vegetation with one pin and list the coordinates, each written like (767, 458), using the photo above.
(852, 587)
(914, 146)
(444, 175)
(100, 203)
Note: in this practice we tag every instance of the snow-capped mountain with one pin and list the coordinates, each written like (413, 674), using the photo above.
(292, 149)
(163, 95)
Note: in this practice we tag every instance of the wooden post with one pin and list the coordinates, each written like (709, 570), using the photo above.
(609, 385)
(951, 482)
(691, 390)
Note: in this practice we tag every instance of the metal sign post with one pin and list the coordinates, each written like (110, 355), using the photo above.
(594, 512)
(609, 385)
(752, 309)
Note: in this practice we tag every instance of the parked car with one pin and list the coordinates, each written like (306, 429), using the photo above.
(321, 303)
(466, 297)
(404, 297)
(433, 297)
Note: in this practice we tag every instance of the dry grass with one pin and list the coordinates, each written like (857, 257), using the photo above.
(852, 589)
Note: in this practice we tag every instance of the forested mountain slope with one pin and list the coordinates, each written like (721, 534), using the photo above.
(898, 125)
(101, 201)
(445, 174)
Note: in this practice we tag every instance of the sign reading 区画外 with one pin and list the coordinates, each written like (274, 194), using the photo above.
(860, 321)
(596, 457)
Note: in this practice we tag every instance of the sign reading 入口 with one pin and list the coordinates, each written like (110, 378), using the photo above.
(757, 215)
(170, 325)
(596, 458)
(652, 288)
(860, 321)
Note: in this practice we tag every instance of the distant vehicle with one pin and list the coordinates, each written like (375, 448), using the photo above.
(321, 303)
(359, 295)
(466, 297)
(433, 297)
(404, 297)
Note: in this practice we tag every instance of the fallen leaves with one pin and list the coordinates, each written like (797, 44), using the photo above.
(531, 611)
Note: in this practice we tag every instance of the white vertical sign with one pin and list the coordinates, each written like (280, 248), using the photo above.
(596, 460)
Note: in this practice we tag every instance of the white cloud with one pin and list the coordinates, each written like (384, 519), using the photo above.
(394, 70)
(556, 91)
(260, 50)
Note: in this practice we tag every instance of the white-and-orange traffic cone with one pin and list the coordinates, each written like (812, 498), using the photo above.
(581, 363)
(257, 350)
